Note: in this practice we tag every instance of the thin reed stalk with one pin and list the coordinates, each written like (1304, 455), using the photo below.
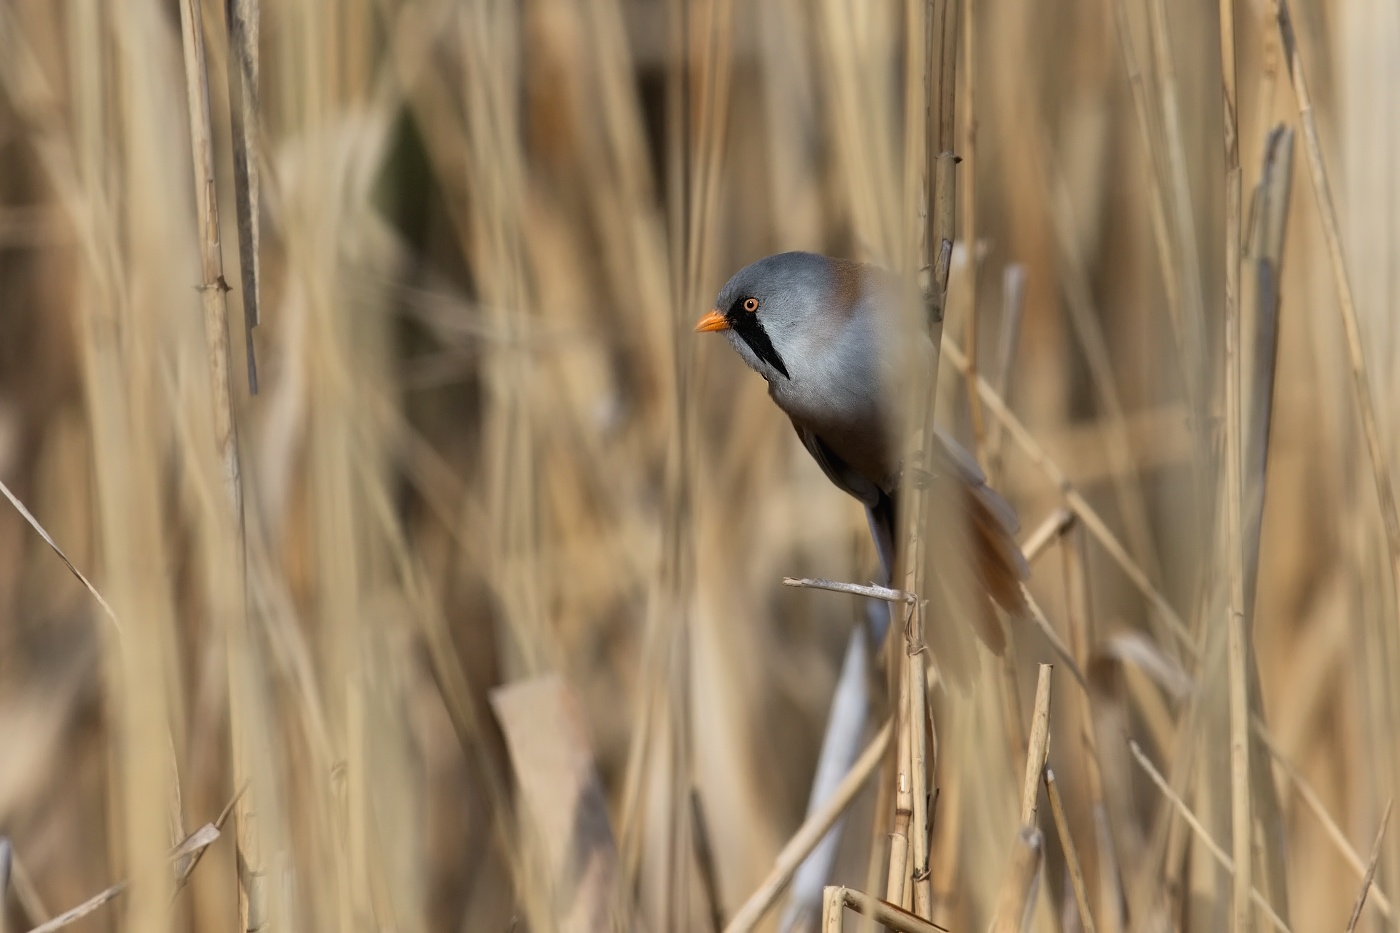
(1237, 635)
(1072, 863)
(213, 294)
(1346, 303)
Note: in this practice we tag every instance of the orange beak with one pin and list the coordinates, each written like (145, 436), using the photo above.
(712, 321)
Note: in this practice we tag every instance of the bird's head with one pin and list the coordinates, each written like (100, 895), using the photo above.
(773, 310)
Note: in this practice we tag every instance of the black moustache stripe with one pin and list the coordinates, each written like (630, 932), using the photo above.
(746, 325)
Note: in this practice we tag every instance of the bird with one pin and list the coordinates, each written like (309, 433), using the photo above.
(830, 338)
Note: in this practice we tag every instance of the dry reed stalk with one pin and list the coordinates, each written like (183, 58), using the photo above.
(560, 798)
(897, 879)
(836, 899)
(920, 770)
(876, 863)
(32, 907)
(705, 862)
(1260, 291)
(809, 834)
(1314, 804)
(1370, 875)
(833, 909)
(1237, 633)
(1172, 274)
(1183, 216)
(89, 906)
(6, 853)
(216, 332)
(698, 91)
(863, 124)
(1016, 898)
(968, 191)
(186, 854)
(910, 861)
(1382, 701)
(870, 591)
(847, 716)
(1268, 77)
(33, 522)
(1072, 863)
(1038, 749)
(1013, 730)
(1013, 312)
(1202, 833)
(185, 868)
(656, 651)
(1269, 208)
(243, 17)
(1361, 382)
(1057, 523)
(213, 290)
(1083, 638)
(1047, 628)
(1087, 325)
(940, 97)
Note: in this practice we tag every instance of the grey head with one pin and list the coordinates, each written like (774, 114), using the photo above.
(777, 311)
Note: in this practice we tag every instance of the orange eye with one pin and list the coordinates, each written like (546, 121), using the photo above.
(751, 305)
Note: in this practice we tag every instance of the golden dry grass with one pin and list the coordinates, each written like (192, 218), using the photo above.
(502, 640)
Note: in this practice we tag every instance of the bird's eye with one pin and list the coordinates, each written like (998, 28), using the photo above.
(751, 305)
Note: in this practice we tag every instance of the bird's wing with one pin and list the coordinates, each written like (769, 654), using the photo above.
(837, 470)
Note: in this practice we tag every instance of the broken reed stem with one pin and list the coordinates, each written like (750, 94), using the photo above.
(191, 848)
(213, 290)
(919, 771)
(871, 590)
(1201, 832)
(1046, 533)
(1237, 633)
(1018, 886)
(1370, 869)
(1038, 748)
(1346, 304)
(1072, 863)
(809, 834)
(836, 899)
(897, 876)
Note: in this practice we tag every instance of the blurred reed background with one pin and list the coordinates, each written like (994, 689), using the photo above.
(487, 448)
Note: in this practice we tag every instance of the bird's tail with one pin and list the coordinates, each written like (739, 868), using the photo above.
(973, 550)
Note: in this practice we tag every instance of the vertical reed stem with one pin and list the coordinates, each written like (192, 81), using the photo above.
(1241, 816)
(213, 289)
